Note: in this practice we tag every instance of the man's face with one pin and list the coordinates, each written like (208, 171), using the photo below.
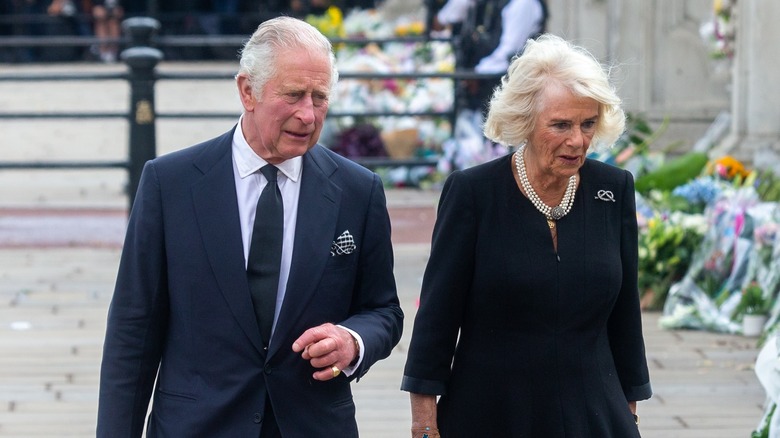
(286, 121)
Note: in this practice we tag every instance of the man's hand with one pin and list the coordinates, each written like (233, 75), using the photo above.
(325, 347)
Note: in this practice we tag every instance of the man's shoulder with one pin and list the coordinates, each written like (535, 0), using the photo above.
(333, 163)
(208, 151)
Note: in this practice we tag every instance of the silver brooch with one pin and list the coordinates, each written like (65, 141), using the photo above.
(605, 195)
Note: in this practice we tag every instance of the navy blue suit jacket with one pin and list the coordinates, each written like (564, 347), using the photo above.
(181, 320)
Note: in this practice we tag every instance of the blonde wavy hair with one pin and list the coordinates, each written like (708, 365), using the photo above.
(516, 103)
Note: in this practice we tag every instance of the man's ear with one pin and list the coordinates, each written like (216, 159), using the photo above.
(245, 92)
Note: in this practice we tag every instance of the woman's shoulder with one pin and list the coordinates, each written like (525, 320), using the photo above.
(598, 169)
(487, 170)
(596, 174)
(479, 178)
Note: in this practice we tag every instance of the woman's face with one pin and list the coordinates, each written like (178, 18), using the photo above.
(562, 133)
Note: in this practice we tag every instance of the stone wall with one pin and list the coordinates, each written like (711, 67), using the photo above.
(665, 70)
(663, 66)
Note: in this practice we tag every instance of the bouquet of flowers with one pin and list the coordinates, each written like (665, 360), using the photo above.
(725, 264)
(666, 246)
(752, 301)
(720, 32)
(700, 192)
(331, 23)
(392, 95)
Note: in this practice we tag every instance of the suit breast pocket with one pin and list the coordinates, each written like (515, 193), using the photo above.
(341, 261)
(338, 277)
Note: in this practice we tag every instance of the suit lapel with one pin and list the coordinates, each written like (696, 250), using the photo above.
(216, 209)
(318, 207)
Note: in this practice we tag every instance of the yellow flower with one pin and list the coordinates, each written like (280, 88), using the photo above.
(728, 167)
(331, 23)
(652, 223)
(335, 15)
(408, 29)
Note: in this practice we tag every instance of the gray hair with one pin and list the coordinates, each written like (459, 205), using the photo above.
(516, 103)
(259, 55)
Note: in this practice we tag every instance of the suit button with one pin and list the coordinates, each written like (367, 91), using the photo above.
(268, 369)
(258, 418)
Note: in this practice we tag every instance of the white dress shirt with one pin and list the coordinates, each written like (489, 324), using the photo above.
(249, 185)
(520, 19)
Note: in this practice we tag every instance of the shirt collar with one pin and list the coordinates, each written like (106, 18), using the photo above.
(248, 162)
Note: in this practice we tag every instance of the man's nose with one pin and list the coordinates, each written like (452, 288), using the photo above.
(306, 110)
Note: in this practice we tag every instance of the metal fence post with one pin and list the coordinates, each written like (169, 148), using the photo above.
(143, 143)
(140, 30)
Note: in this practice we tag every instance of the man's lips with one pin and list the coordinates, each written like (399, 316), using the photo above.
(298, 134)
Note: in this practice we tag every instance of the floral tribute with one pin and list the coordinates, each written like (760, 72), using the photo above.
(720, 32)
(707, 230)
(402, 136)
(738, 255)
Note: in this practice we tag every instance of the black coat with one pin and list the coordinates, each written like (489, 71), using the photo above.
(521, 341)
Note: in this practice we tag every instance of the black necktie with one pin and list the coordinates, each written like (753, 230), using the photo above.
(265, 252)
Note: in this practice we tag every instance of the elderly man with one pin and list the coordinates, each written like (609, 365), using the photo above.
(256, 280)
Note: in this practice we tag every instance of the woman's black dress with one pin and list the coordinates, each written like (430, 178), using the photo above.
(518, 339)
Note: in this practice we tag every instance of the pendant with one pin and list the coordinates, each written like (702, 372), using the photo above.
(550, 223)
(557, 212)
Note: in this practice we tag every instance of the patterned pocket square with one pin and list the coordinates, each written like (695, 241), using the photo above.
(343, 245)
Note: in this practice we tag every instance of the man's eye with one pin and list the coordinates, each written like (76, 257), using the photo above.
(319, 99)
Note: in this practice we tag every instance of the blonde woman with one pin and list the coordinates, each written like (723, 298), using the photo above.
(529, 322)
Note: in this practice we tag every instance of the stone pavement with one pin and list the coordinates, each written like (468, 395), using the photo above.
(60, 241)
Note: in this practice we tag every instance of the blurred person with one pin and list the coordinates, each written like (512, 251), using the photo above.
(65, 8)
(227, 11)
(107, 16)
(529, 321)
(66, 18)
(488, 34)
(6, 9)
(27, 26)
(256, 280)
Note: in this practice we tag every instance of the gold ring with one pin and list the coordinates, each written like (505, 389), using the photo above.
(336, 370)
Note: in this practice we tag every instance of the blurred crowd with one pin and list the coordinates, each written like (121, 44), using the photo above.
(102, 19)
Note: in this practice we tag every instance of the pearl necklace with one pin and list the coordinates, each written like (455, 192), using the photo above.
(551, 213)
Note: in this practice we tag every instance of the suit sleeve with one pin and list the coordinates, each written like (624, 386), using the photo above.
(446, 285)
(137, 318)
(625, 322)
(375, 310)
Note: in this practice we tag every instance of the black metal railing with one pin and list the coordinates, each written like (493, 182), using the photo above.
(142, 58)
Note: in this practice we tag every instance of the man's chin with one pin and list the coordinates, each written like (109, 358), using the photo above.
(295, 150)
